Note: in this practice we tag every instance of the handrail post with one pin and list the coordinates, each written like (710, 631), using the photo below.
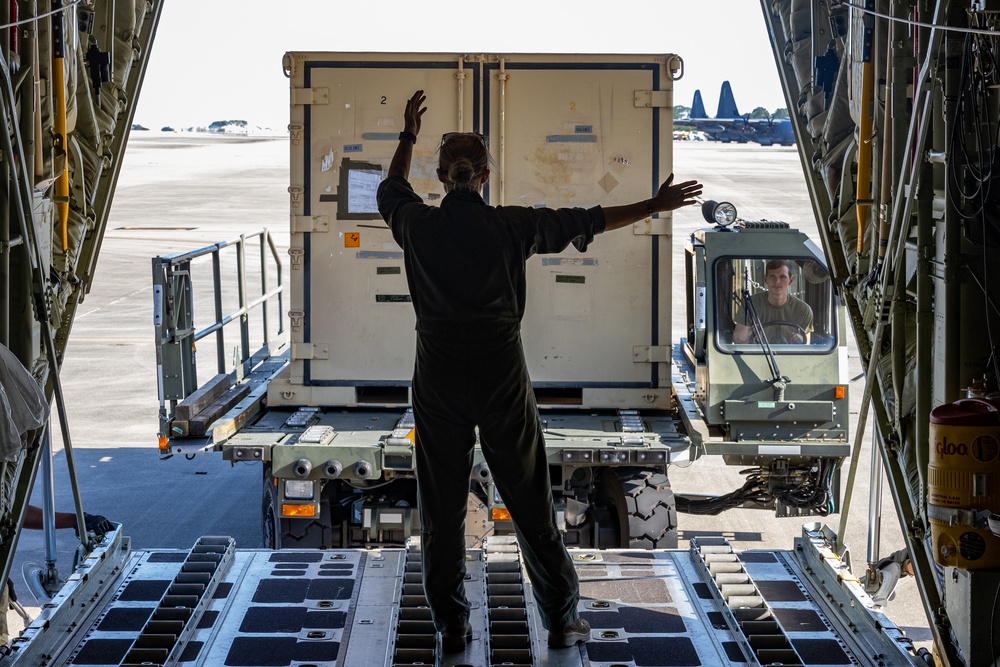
(281, 286)
(265, 240)
(241, 277)
(220, 338)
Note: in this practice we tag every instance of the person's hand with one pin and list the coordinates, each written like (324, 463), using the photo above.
(670, 197)
(414, 111)
(95, 523)
(796, 337)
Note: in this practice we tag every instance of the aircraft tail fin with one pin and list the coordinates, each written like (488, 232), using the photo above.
(727, 103)
(697, 106)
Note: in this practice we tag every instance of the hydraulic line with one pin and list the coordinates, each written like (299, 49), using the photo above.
(874, 506)
(59, 120)
(865, 132)
(885, 175)
(5, 248)
(51, 574)
(9, 44)
(12, 31)
(894, 135)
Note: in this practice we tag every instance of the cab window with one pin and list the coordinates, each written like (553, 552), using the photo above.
(786, 304)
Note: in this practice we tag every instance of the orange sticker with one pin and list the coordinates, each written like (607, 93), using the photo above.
(352, 240)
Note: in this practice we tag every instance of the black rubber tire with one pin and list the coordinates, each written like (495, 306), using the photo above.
(305, 534)
(280, 533)
(652, 512)
(270, 536)
(611, 512)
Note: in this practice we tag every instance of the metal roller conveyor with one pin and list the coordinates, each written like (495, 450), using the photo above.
(661, 608)
(509, 630)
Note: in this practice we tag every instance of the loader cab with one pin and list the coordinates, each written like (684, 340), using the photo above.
(764, 337)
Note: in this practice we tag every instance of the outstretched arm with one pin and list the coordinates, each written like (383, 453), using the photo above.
(667, 198)
(400, 164)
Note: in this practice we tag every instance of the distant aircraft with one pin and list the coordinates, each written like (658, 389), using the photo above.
(729, 126)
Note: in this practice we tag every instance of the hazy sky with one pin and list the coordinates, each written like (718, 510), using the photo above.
(214, 60)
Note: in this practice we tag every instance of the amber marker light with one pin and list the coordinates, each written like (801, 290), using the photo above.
(839, 391)
(163, 443)
(500, 514)
(288, 509)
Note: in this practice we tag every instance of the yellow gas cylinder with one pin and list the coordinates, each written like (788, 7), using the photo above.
(963, 483)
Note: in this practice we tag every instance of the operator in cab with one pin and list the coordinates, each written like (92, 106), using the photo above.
(785, 318)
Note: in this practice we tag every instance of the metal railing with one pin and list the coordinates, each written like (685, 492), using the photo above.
(174, 315)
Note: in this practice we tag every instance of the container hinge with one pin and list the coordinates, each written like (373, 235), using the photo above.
(296, 317)
(652, 99)
(297, 255)
(650, 354)
(311, 96)
(304, 224)
(295, 132)
(310, 351)
(296, 191)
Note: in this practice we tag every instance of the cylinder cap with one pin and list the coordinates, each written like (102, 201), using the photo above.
(967, 412)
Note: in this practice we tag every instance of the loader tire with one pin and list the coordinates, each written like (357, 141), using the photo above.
(610, 513)
(652, 512)
(270, 536)
(282, 533)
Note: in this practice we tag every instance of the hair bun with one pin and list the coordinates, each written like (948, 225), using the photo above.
(463, 157)
(461, 171)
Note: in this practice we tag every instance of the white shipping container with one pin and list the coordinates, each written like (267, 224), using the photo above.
(563, 130)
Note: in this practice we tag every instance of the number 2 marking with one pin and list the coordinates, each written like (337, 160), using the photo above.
(572, 106)
(383, 99)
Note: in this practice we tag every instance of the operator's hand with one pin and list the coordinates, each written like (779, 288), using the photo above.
(413, 113)
(95, 523)
(796, 337)
(670, 197)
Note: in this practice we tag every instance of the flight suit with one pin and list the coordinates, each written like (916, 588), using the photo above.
(465, 267)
